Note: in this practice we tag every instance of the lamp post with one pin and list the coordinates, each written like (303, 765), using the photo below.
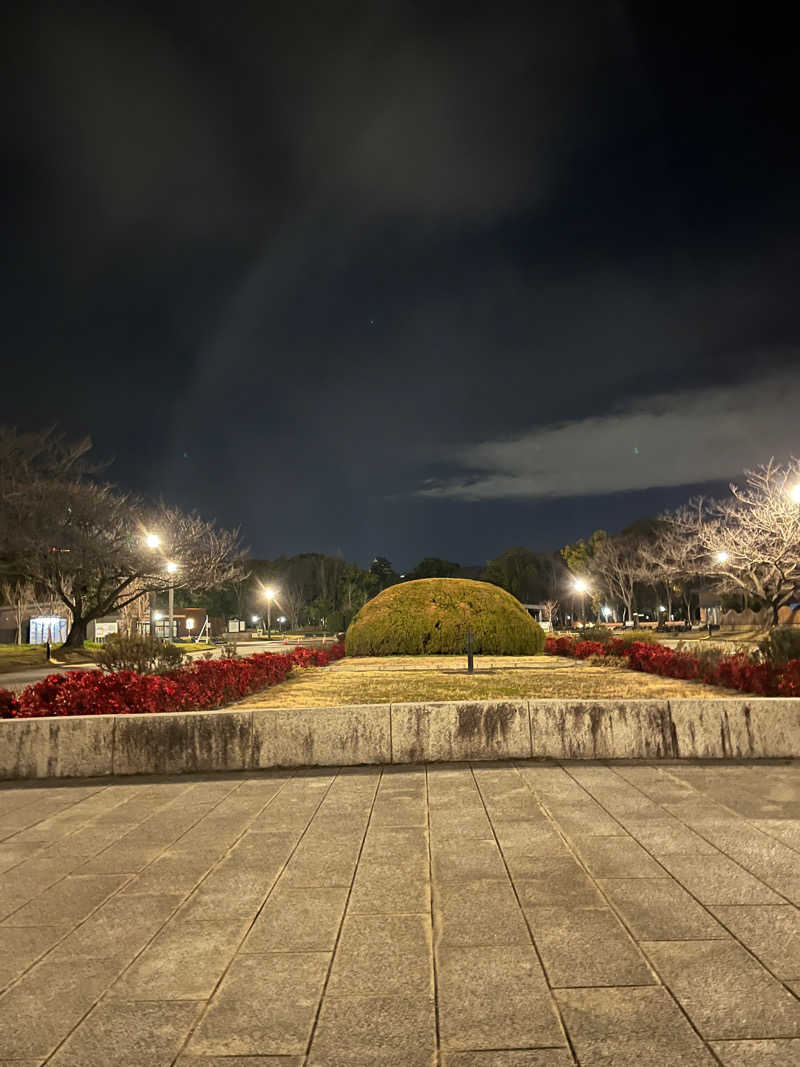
(269, 594)
(171, 569)
(581, 587)
(152, 541)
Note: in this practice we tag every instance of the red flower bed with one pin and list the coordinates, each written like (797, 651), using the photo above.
(733, 671)
(202, 684)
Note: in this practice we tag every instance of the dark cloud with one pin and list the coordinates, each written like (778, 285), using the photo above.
(688, 437)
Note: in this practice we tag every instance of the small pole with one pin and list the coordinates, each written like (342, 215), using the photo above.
(469, 653)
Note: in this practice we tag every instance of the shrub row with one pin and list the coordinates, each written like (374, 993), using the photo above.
(736, 670)
(199, 686)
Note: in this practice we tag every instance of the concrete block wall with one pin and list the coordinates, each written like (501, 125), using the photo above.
(258, 738)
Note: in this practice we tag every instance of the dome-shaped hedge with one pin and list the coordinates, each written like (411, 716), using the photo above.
(432, 615)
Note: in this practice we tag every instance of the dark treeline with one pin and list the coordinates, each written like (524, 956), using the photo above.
(317, 590)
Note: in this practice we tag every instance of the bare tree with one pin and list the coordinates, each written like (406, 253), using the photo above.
(16, 594)
(616, 565)
(670, 558)
(749, 543)
(291, 600)
(550, 608)
(87, 545)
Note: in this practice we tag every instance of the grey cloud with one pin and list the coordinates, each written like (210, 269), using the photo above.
(665, 440)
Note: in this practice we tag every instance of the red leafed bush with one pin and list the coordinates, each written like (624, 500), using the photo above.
(736, 670)
(789, 685)
(202, 684)
(559, 646)
(8, 704)
(585, 649)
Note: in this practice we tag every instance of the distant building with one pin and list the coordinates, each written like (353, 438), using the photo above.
(538, 612)
(710, 609)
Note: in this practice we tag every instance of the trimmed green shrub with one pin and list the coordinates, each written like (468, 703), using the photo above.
(431, 616)
(781, 644)
(140, 653)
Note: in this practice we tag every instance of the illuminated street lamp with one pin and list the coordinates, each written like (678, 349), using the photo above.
(152, 541)
(171, 569)
(606, 612)
(722, 557)
(269, 593)
(581, 587)
(794, 493)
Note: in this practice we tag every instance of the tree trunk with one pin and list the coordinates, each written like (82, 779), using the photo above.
(77, 634)
(775, 607)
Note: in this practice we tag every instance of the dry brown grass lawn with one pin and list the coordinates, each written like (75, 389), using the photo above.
(398, 679)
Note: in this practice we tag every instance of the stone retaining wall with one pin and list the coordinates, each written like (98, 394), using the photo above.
(253, 738)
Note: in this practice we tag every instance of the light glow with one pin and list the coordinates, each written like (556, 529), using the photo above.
(152, 540)
(722, 557)
(794, 493)
(580, 585)
(171, 567)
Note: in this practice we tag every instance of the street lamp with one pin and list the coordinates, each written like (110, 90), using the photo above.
(606, 612)
(270, 595)
(152, 541)
(722, 557)
(581, 587)
(171, 569)
(794, 493)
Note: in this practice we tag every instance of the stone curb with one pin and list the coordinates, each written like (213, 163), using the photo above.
(89, 746)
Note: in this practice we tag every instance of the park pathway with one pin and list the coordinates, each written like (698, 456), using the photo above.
(486, 915)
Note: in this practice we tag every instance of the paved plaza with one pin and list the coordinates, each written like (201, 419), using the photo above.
(485, 915)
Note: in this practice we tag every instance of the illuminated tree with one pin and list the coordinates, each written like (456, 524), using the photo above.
(750, 542)
(91, 547)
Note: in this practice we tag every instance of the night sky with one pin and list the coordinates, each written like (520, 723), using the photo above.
(397, 279)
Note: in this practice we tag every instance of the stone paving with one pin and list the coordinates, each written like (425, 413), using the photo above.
(485, 915)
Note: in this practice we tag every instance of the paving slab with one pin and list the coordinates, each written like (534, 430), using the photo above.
(724, 991)
(184, 962)
(298, 920)
(758, 1053)
(26, 1030)
(658, 909)
(118, 1034)
(771, 933)
(629, 1028)
(586, 947)
(265, 1005)
(494, 997)
(546, 1057)
(373, 1031)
